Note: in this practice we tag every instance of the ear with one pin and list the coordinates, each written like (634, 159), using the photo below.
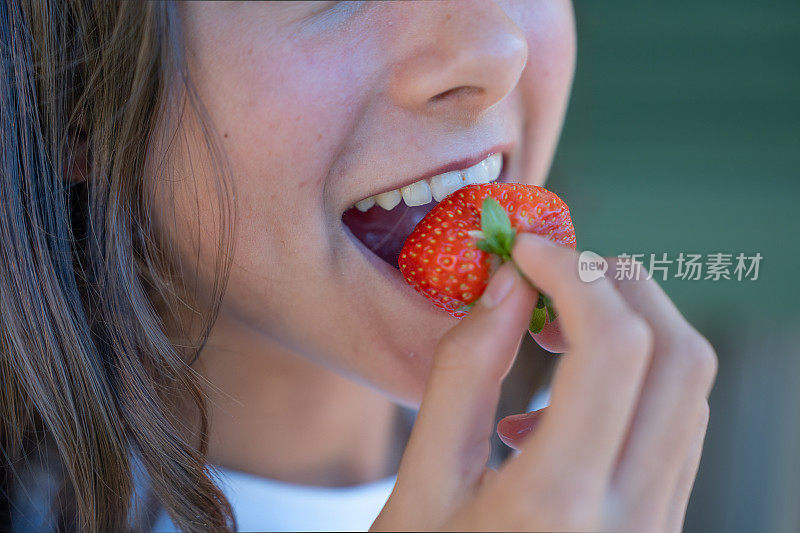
(76, 168)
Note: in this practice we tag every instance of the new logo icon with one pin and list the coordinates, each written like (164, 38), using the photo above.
(591, 266)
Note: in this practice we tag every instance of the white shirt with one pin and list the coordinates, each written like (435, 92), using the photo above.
(261, 504)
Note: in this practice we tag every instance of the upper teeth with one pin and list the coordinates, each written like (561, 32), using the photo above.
(437, 187)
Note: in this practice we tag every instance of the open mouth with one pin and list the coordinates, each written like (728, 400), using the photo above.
(383, 222)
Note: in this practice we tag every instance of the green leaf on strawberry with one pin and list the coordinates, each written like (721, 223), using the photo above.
(538, 319)
(498, 235)
(453, 251)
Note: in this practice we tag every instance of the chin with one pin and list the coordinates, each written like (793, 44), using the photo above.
(397, 363)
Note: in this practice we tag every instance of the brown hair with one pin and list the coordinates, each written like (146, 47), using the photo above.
(93, 352)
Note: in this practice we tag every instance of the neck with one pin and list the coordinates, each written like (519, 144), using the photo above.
(278, 415)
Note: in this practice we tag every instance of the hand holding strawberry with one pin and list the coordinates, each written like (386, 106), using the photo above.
(618, 447)
(452, 252)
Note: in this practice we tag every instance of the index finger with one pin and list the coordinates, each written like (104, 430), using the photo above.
(596, 386)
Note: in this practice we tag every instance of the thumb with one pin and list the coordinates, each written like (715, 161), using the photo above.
(449, 445)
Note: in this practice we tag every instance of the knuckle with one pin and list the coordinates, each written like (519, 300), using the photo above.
(705, 414)
(641, 518)
(637, 511)
(603, 284)
(630, 338)
(454, 352)
(575, 504)
(557, 499)
(450, 348)
(699, 358)
(637, 335)
(557, 505)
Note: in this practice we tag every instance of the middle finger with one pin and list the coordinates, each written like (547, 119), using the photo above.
(672, 401)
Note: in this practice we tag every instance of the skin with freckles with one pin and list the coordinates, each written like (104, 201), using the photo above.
(321, 105)
(318, 105)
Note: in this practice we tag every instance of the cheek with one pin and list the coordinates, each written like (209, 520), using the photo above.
(545, 83)
(547, 78)
(289, 117)
(551, 32)
(549, 27)
(283, 112)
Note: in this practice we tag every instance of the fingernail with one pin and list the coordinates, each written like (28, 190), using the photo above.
(499, 286)
(513, 429)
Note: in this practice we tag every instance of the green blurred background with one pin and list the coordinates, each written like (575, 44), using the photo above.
(683, 134)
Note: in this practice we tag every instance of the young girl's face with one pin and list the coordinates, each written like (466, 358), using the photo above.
(322, 104)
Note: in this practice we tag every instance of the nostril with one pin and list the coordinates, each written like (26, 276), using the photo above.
(463, 91)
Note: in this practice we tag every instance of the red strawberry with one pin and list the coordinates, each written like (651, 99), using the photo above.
(453, 250)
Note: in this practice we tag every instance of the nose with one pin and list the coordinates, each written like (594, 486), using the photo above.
(458, 58)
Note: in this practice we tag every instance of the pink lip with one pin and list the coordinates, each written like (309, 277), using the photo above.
(455, 165)
(464, 163)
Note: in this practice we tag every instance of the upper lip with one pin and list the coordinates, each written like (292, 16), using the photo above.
(459, 164)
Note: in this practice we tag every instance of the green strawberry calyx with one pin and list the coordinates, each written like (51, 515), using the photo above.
(497, 236)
